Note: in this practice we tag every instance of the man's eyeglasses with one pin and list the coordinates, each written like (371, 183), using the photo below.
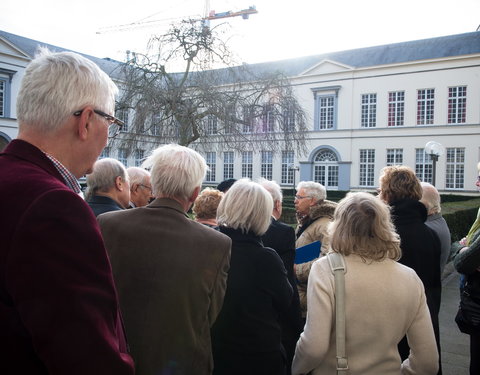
(146, 187)
(298, 197)
(112, 120)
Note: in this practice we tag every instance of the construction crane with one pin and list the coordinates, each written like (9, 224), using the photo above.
(245, 13)
(209, 16)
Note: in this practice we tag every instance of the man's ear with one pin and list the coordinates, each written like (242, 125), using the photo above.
(84, 123)
(120, 183)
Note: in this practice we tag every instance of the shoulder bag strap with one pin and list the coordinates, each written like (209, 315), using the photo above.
(337, 265)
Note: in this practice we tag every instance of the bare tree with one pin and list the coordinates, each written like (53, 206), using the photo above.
(235, 107)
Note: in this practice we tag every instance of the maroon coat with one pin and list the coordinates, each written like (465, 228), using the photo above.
(58, 304)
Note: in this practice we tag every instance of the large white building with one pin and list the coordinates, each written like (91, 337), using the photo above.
(367, 108)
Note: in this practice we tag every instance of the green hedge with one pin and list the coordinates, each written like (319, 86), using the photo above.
(459, 211)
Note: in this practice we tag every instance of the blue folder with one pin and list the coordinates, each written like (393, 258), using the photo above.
(308, 252)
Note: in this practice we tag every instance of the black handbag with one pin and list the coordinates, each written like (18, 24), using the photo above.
(468, 315)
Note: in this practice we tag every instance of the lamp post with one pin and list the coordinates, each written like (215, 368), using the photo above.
(435, 150)
(293, 168)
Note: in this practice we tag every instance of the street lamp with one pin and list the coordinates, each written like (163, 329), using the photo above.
(293, 168)
(434, 149)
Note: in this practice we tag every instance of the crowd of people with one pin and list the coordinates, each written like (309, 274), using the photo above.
(123, 281)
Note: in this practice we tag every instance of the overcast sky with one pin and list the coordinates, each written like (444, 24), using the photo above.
(281, 29)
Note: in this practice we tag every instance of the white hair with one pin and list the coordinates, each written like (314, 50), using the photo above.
(137, 175)
(246, 206)
(103, 176)
(313, 189)
(273, 188)
(55, 85)
(176, 171)
(431, 198)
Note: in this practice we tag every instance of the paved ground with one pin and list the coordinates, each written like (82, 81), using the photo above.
(454, 344)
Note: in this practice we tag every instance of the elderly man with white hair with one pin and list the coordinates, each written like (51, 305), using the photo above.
(314, 214)
(171, 272)
(281, 238)
(140, 187)
(58, 305)
(108, 186)
(431, 199)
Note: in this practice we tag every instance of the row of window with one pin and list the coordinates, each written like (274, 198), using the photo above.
(325, 169)
(266, 165)
(251, 123)
(457, 107)
(455, 166)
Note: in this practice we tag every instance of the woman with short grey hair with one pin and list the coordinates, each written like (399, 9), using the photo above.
(246, 337)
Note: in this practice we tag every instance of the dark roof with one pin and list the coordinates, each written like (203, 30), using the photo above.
(424, 49)
(29, 46)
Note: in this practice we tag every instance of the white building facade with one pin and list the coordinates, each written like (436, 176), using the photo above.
(366, 108)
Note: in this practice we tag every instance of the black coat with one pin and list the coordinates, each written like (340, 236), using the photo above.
(101, 204)
(281, 238)
(421, 250)
(246, 336)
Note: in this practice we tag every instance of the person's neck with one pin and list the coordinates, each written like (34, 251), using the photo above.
(207, 221)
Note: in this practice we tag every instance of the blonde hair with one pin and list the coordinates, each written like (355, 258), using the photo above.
(246, 206)
(206, 204)
(362, 225)
(399, 182)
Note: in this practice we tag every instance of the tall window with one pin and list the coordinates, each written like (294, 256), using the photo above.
(105, 153)
(139, 156)
(367, 167)
(267, 165)
(455, 168)
(122, 156)
(394, 156)
(211, 127)
(287, 162)
(425, 106)
(369, 110)
(457, 104)
(423, 165)
(122, 114)
(289, 119)
(268, 119)
(227, 165)
(248, 118)
(396, 108)
(211, 159)
(2, 97)
(247, 164)
(326, 111)
(326, 169)
(156, 124)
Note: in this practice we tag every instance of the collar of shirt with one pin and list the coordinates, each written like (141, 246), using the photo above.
(69, 178)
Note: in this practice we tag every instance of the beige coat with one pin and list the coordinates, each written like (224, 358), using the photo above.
(322, 214)
(384, 301)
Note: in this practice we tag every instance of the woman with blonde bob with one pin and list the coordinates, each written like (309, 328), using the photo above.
(384, 300)
(246, 337)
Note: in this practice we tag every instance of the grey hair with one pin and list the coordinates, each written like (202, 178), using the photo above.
(137, 175)
(273, 188)
(246, 206)
(313, 189)
(55, 85)
(431, 198)
(103, 176)
(176, 171)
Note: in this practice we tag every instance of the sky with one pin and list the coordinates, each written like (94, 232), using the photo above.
(280, 30)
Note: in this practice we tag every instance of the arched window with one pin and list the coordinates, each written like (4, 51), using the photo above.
(325, 168)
